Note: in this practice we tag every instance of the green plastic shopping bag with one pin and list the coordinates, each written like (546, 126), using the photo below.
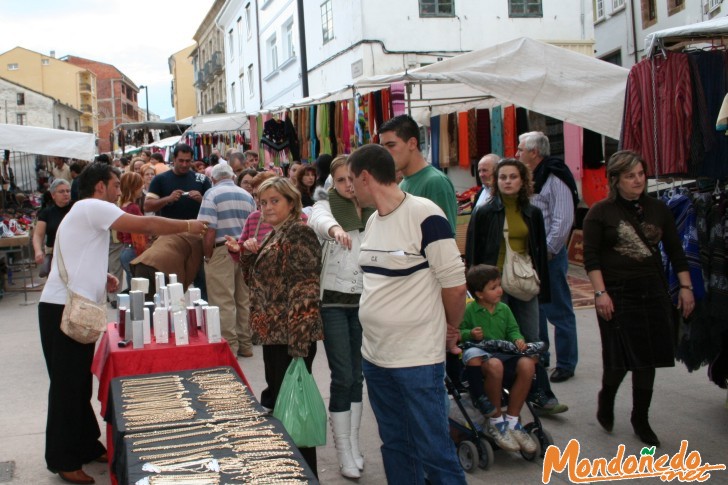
(300, 407)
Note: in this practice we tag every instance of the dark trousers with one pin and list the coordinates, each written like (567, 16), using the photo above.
(276, 361)
(72, 432)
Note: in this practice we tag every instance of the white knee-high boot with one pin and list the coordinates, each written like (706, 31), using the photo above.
(341, 425)
(356, 408)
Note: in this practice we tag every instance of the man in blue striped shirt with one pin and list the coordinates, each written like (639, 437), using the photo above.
(556, 195)
(225, 207)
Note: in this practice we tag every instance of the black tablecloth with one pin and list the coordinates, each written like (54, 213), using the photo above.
(126, 464)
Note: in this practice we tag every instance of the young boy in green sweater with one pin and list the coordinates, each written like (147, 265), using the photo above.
(487, 318)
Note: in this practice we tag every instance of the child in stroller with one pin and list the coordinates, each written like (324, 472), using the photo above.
(495, 349)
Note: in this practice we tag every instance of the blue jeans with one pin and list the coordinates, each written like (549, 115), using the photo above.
(560, 312)
(127, 256)
(412, 417)
(342, 340)
(526, 314)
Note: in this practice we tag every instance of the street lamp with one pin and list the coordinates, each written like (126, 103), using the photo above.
(146, 95)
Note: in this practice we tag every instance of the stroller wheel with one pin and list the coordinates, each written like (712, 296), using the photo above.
(468, 455)
(487, 456)
(539, 446)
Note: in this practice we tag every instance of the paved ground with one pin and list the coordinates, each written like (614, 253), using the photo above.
(686, 407)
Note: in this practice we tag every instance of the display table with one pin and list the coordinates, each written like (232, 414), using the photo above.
(111, 361)
(20, 245)
(130, 445)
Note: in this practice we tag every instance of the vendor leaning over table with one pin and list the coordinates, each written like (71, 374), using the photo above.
(72, 432)
(283, 275)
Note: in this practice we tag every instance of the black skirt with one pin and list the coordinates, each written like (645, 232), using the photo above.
(641, 332)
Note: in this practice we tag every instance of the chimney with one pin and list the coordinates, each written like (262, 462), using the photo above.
(53, 54)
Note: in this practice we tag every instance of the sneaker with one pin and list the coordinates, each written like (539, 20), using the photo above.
(524, 439)
(484, 405)
(502, 436)
(548, 405)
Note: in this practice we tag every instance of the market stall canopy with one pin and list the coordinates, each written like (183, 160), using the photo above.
(48, 141)
(172, 127)
(528, 73)
(219, 123)
(166, 142)
(710, 29)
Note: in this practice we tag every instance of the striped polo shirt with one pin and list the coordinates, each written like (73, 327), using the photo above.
(225, 207)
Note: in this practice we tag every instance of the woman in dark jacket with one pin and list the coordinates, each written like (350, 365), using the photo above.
(526, 235)
(634, 311)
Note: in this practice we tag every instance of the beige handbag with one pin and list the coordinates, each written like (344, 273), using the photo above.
(83, 320)
(519, 278)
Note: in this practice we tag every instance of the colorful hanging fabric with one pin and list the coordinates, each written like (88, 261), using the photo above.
(452, 132)
(463, 140)
(312, 131)
(331, 133)
(472, 138)
(359, 121)
(259, 134)
(573, 149)
(482, 132)
(444, 141)
(510, 142)
(435, 140)
(521, 122)
(345, 127)
(386, 105)
(496, 130)
(339, 126)
(398, 106)
(372, 105)
(253, 122)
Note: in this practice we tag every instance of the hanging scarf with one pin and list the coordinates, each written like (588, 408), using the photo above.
(345, 214)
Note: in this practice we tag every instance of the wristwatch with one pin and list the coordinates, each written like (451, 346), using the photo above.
(599, 293)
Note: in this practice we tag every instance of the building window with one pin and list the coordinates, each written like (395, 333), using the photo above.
(45, 62)
(675, 6)
(242, 97)
(232, 96)
(437, 8)
(598, 10)
(21, 99)
(649, 13)
(232, 44)
(20, 118)
(68, 123)
(617, 4)
(272, 48)
(240, 36)
(75, 125)
(327, 21)
(288, 39)
(59, 121)
(250, 80)
(525, 8)
(248, 26)
(13, 66)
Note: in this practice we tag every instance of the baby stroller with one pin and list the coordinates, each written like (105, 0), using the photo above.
(475, 447)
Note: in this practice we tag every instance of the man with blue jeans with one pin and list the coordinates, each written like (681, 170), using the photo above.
(556, 195)
(413, 297)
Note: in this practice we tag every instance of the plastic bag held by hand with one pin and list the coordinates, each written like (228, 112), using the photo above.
(300, 407)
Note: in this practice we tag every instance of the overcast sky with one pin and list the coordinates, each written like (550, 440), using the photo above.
(136, 36)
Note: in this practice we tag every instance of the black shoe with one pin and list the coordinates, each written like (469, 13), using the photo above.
(605, 410)
(561, 375)
(643, 430)
(113, 304)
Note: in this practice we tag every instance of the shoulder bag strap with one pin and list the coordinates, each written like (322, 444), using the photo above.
(257, 227)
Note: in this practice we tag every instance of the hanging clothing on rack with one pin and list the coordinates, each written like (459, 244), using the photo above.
(669, 116)
(482, 131)
(510, 140)
(463, 140)
(496, 131)
(435, 140)
(398, 105)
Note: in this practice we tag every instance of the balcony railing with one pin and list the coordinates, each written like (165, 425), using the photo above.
(87, 108)
(85, 87)
(87, 129)
(217, 63)
(208, 71)
(200, 79)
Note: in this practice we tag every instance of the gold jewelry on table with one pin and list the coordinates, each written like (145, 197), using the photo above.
(218, 439)
(176, 453)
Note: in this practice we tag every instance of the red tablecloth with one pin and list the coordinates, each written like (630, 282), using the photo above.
(112, 361)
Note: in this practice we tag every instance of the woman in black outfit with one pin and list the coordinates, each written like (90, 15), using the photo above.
(634, 311)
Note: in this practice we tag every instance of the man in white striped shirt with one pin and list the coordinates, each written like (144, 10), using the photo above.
(556, 195)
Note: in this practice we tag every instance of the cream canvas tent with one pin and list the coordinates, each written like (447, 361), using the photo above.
(47, 141)
(541, 77)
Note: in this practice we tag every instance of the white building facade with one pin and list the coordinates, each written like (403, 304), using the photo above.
(20, 105)
(620, 26)
(350, 39)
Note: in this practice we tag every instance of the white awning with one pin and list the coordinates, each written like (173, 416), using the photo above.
(48, 141)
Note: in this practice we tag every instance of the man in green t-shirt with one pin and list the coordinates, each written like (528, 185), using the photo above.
(401, 137)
